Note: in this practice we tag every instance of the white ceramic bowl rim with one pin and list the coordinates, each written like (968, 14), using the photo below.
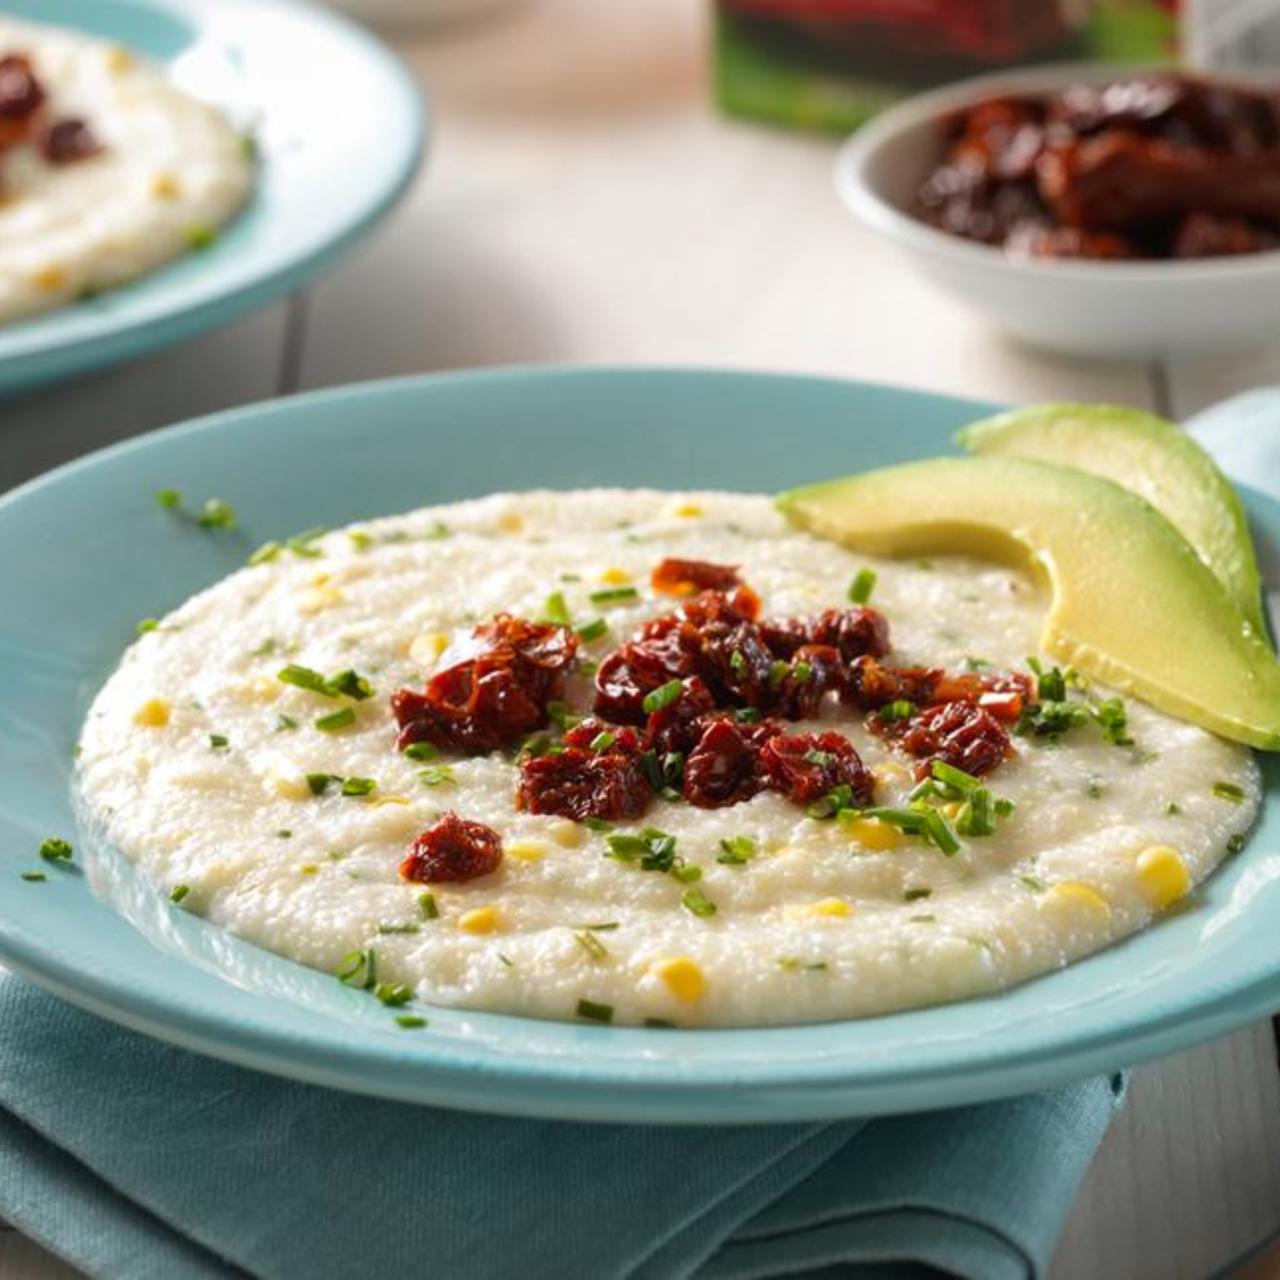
(882, 215)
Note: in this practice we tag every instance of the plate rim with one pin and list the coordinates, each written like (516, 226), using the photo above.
(609, 1091)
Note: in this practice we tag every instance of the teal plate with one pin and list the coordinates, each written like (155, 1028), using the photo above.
(87, 552)
(339, 127)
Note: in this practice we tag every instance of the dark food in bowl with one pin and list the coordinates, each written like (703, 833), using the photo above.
(1157, 166)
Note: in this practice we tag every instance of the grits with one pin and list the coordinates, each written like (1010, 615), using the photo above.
(816, 925)
(170, 173)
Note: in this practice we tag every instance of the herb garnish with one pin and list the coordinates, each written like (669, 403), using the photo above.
(863, 584)
(427, 906)
(410, 1020)
(663, 696)
(335, 720)
(147, 624)
(592, 630)
(556, 611)
(55, 849)
(421, 751)
(179, 892)
(591, 944)
(346, 683)
(358, 969)
(438, 775)
(736, 851)
(593, 1011)
(614, 595)
(696, 901)
(393, 994)
(1228, 791)
(358, 786)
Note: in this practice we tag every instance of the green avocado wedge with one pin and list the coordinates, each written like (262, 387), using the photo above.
(1153, 457)
(1133, 605)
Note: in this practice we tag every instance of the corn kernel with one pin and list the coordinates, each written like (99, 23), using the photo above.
(527, 851)
(320, 579)
(614, 576)
(314, 599)
(511, 522)
(871, 833)
(119, 60)
(1162, 875)
(50, 279)
(153, 714)
(428, 646)
(164, 186)
(262, 689)
(682, 976)
(566, 833)
(889, 772)
(309, 869)
(951, 809)
(479, 920)
(823, 907)
(286, 786)
(688, 510)
(377, 800)
(1074, 894)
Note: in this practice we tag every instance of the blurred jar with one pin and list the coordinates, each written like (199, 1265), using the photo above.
(419, 13)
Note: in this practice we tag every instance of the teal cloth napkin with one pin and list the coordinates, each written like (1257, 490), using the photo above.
(133, 1159)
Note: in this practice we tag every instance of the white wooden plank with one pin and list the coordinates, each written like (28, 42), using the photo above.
(611, 216)
(49, 426)
(1188, 1178)
(1196, 383)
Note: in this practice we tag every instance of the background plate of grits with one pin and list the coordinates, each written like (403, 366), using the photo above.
(288, 73)
(87, 553)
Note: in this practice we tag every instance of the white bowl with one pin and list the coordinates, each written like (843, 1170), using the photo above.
(1120, 310)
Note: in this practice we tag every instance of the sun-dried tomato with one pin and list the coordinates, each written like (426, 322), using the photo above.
(452, 849)
(804, 767)
(495, 696)
(675, 726)
(814, 671)
(961, 734)
(687, 577)
(723, 768)
(872, 684)
(20, 93)
(66, 141)
(587, 732)
(854, 632)
(580, 783)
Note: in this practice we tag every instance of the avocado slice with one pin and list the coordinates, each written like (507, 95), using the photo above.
(1133, 605)
(1153, 457)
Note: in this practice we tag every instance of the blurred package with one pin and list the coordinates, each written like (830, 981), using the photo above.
(831, 64)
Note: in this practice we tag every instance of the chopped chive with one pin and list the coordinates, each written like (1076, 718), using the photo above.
(964, 783)
(562, 716)
(179, 892)
(507, 960)
(358, 786)
(285, 723)
(1172, 809)
(592, 1011)
(438, 775)
(556, 610)
(663, 696)
(200, 236)
(778, 672)
(216, 514)
(591, 944)
(1034, 883)
(597, 824)
(696, 901)
(410, 1020)
(922, 919)
(305, 678)
(977, 815)
(268, 646)
(34, 877)
(939, 832)
(427, 906)
(1113, 719)
(360, 540)
(219, 741)
(605, 926)
(1051, 685)
(801, 671)
(358, 969)
(319, 783)
(147, 624)
(169, 499)
(650, 849)
(793, 964)
(614, 595)
(284, 834)
(1228, 791)
(686, 872)
(301, 544)
(438, 532)
(265, 553)
(592, 630)
(421, 751)
(1095, 789)
(863, 584)
(736, 851)
(898, 709)
(393, 994)
(603, 741)
(975, 664)
(914, 895)
(55, 849)
(394, 926)
(1236, 842)
(1003, 807)
(748, 715)
(823, 759)
(335, 720)
(351, 684)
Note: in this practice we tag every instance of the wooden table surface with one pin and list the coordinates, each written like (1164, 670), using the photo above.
(584, 204)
